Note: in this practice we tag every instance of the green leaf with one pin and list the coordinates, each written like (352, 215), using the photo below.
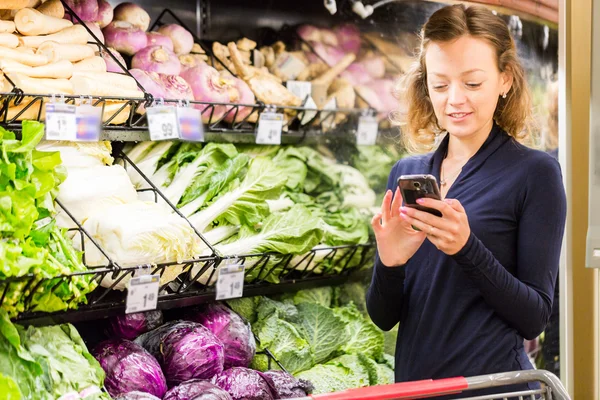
(9, 388)
(364, 336)
(286, 343)
(267, 307)
(327, 378)
(324, 331)
(293, 163)
(322, 296)
(245, 307)
(8, 330)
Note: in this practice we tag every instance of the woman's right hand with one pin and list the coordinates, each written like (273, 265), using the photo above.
(397, 241)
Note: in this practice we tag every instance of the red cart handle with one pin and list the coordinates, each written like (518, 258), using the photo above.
(406, 390)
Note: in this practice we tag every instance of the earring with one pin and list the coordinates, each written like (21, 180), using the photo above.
(504, 96)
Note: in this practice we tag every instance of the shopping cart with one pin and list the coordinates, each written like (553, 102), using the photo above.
(551, 388)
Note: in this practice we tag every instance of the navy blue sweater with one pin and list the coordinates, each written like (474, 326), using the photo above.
(467, 314)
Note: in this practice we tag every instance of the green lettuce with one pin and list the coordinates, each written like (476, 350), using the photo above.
(364, 336)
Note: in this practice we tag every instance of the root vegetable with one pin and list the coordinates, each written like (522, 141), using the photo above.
(87, 10)
(105, 13)
(33, 60)
(111, 64)
(61, 69)
(75, 34)
(9, 40)
(183, 41)
(157, 59)
(348, 37)
(207, 85)
(125, 37)
(158, 39)
(52, 8)
(31, 22)
(41, 85)
(7, 27)
(133, 14)
(95, 29)
(89, 87)
(71, 52)
(245, 96)
(92, 64)
(13, 4)
(119, 81)
(246, 44)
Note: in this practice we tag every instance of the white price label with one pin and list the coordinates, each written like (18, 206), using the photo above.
(367, 132)
(270, 126)
(142, 294)
(163, 123)
(190, 124)
(300, 88)
(309, 115)
(61, 121)
(230, 283)
(89, 123)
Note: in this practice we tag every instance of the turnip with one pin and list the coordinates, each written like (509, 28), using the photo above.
(157, 59)
(348, 37)
(158, 39)
(245, 96)
(87, 10)
(111, 64)
(105, 13)
(124, 37)
(133, 14)
(183, 41)
(208, 86)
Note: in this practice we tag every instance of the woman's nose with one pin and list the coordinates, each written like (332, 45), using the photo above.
(456, 94)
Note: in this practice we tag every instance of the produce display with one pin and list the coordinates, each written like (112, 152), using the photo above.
(46, 363)
(32, 242)
(320, 336)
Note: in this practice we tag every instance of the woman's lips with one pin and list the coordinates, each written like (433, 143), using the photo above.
(459, 116)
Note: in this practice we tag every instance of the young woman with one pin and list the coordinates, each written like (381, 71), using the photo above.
(469, 286)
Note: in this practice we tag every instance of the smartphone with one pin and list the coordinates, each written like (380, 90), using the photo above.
(415, 187)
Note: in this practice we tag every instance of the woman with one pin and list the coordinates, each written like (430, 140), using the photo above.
(469, 286)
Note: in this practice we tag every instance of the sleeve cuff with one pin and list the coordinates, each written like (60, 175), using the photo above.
(468, 256)
(395, 273)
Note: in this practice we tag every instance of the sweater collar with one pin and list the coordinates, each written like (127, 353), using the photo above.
(495, 139)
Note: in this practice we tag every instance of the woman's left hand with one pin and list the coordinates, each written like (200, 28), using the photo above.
(450, 232)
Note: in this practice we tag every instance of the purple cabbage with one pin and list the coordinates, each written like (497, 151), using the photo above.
(129, 368)
(186, 350)
(285, 386)
(137, 396)
(244, 384)
(196, 389)
(130, 326)
(235, 334)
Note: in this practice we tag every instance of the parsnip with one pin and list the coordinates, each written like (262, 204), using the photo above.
(31, 22)
(7, 27)
(41, 85)
(9, 40)
(61, 69)
(110, 79)
(92, 64)
(112, 107)
(26, 50)
(13, 4)
(71, 52)
(33, 60)
(35, 111)
(86, 86)
(75, 34)
(52, 8)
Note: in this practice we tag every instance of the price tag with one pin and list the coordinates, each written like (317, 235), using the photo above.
(61, 121)
(309, 115)
(367, 132)
(163, 123)
(89, 123)
(300, 88)
(270, 126)
(230, 283)
(190, 124)
(142, 294)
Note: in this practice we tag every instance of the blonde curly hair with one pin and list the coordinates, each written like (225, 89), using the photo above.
(416, 116)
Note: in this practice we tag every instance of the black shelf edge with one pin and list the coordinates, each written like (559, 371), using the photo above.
(107, 310)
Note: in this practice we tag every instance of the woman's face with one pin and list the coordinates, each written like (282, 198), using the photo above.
(464, 85)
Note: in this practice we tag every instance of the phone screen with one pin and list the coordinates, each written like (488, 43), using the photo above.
(420, 186)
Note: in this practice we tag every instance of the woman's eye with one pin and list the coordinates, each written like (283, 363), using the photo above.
(473, 85)
(439, 87)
